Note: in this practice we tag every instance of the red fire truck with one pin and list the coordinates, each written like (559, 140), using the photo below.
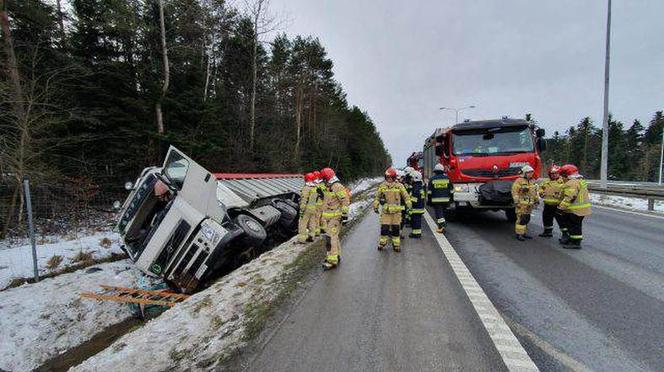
(483, 158)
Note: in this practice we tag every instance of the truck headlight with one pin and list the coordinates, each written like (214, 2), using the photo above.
(461, 188)
(208, 232)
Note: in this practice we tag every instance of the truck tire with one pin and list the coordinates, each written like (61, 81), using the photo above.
(254, 232)
(288, 213)
(510, 214)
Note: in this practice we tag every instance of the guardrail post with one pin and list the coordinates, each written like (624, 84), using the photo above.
(651, 204)
(31, 226)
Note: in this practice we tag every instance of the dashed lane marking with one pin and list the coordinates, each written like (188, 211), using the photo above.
(511, 351)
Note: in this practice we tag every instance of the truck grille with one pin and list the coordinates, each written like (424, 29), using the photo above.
(171, 247)
(490, 174)
(185, 277)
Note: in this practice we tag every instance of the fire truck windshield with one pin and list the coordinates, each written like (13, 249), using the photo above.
(492, 141)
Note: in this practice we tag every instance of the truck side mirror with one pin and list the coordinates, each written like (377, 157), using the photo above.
(540, 132)
(541, 144)
(439, 149)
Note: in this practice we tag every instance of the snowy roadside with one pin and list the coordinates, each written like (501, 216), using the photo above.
(363, 184)
(16, 261)
(41, 320)
(212, 326)
(625, 202)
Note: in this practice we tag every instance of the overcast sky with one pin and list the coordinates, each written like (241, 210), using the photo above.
(402, 60)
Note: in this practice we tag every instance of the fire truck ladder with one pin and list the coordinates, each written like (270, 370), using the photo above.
(136, 296)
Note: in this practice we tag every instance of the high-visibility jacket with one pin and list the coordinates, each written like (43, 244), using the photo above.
(575, 197)
(391, 194)
(336, 201)
(524, 193)
(551, 191)
(308, 198)
(417, 198)
(440, 188)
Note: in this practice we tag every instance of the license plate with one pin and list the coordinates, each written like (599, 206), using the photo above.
(518, 164)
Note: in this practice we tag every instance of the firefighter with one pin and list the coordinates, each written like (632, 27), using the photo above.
(440, 191)
(574, 206)
(308, 210)
(551, 192)
(390, 195)
(403, 176)
(320, 188)
(524, 193)
(417, 200)
(335, 212)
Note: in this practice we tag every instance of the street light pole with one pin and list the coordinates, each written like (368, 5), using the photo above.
(605, 123)
(456, 111)
(661, 158)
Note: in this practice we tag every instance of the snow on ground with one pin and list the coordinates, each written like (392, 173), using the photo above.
(207, 328)
(363, 184)
(39, 321)
(16, 261)
(633, 203)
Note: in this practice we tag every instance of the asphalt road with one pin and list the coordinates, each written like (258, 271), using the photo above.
(382, 311)
(600, 308)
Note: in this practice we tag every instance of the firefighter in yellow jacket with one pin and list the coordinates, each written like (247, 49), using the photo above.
(335, 212)
(320, 188)
(389, 195)
(550, 191)
(524, 193)
(574, 206)
(308, 210)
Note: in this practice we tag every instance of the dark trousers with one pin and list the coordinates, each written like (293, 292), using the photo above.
(570, 224)
(439, 211)
(548, 215)
(416, 223)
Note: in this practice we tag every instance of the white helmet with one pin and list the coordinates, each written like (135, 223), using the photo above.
(526, 169)
(417, 176)
(408, 170)
(400, 173)
(439, 168)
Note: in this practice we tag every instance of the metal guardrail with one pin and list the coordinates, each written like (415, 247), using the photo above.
(646, 190)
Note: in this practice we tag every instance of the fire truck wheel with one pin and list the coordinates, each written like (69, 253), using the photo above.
(254, 232)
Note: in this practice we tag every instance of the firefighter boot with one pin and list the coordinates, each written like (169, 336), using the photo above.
(548, 233)
(440, 230)
(526, 236)
(565, 238)
(520, 238)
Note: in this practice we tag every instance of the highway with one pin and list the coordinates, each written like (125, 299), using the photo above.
(598, 308)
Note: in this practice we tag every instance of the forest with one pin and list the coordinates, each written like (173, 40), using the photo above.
(92, 91)
(634, 151)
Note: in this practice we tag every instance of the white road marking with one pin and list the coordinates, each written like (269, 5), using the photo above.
(627, 211)
(511, 351)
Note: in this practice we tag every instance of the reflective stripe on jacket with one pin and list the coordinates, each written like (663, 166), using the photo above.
(576, 198)
(551, 191)
(389, 195)
(336, 201)
(417, 198)
(440, 188)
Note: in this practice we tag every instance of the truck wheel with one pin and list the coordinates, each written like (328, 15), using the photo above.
(288, 213)
(510, 214)
(254, 232)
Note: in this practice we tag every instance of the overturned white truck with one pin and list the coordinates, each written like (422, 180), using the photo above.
(186, 224)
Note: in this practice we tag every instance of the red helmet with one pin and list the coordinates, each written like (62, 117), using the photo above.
(554, 169)
(309, 177)
(327, 173)
(568, 170)
(390, 172)
(317, 175)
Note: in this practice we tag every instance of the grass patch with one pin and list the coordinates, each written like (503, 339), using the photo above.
(16, 282)
(105, 243)
(82, 257)
(54, 262)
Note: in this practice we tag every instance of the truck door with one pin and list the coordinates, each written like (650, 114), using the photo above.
(195, 184)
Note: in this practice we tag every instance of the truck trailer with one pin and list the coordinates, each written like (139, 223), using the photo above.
(483, 158)
(185, 224)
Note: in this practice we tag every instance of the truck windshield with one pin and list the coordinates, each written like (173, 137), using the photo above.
(176, 169)
(493, 141)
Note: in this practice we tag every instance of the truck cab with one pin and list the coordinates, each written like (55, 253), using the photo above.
(483, 158)
(180, 223)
